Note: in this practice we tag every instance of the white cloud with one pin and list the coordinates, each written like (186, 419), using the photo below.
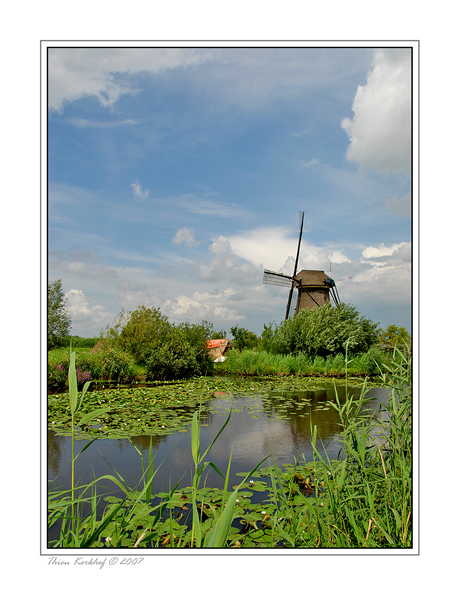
(201, 306)
(201, 206)
(82, 123)
(185, 236)
(274, 249)
(138, 191)
(104, 72)
(308, 164)
(381, 252)
(94, 317)
(380, 131)
(226, 265)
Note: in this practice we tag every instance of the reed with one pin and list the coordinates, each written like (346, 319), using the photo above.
(365, 498)
(250, 363)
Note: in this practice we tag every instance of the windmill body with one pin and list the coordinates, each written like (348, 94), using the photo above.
(313, 289)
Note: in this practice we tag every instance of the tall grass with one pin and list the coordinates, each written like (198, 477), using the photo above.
(364, 499)
(250, 363)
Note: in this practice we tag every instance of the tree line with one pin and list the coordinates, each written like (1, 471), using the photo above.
(167, 350)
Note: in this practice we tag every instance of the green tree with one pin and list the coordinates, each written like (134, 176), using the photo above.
(139, 332)
(324, 331)
(59, 321)
(243, 339)
(395, 336)
(168, 351)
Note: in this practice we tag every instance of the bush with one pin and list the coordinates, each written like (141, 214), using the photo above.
(324, 331)
(176, 359)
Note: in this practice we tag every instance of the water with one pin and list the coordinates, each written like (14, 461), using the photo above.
(259, 425)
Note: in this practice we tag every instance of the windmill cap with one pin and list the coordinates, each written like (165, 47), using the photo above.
(311, 276)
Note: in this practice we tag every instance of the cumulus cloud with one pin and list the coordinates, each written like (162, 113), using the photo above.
(185, 236)
(226, 265)
(199, 306)
(104, 73)
(381, 252)
(384, 273)
(138, 191)
(380, 131)
(92, 317)
(275, 248)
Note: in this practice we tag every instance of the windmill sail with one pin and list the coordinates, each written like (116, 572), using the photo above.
(288, 307)
(277, 279)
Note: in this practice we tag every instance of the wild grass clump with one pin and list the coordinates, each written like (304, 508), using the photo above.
(251, 363)
(99, 363)
(364, 499)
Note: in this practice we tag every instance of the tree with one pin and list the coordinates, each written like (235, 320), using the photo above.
(324, 331)
(167, 351)
(59, 321)
(243, 338)
(395, 336)
(139, 332)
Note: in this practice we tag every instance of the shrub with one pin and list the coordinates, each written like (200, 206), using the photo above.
(175, 359)
(324, 331)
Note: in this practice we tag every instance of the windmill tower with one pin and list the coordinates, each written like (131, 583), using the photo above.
(313, 288)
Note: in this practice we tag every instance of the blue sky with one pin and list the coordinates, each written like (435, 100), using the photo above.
(175, 175)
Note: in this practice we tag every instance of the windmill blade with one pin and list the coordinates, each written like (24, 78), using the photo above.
(301, 215)
(292, 303)
(277, 279)
(289, 302)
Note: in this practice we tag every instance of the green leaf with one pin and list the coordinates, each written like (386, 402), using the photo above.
(87, 417)
(219, 534)
(73, 391)
(195, 439)
(83, 393)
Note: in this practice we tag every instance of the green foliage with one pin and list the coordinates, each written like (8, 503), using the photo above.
(324, 331)
(167, 351)
(243, 339)
(175, 359)
(101, 363)
(58, 318)
(138, 332)
(395, 336)
(266, 337)
(79, 342)
(250, 363)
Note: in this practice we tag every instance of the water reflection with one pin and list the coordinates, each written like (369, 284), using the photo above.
(279, 423)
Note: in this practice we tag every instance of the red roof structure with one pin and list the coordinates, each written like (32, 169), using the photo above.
(218, 347)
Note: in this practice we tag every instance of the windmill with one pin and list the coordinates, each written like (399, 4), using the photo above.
(314, 287)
